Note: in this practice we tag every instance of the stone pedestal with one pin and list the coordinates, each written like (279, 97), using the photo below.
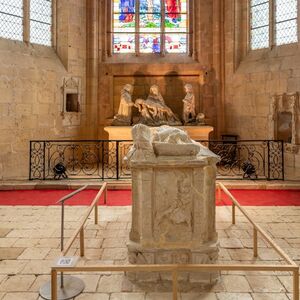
(173, 213)
(124, 132)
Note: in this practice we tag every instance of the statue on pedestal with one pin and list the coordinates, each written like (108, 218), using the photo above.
(124, 116)
(154, 111)
(188, 114)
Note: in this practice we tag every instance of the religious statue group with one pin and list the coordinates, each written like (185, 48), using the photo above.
(153, 111)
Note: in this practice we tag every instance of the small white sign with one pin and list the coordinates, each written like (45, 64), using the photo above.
(65, 261)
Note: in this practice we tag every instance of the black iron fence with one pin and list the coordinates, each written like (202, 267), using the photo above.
(104, 159)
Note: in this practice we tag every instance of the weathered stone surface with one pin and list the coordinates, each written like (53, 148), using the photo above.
(173, 191)
(10, 253)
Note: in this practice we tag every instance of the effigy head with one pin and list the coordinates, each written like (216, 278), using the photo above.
(154, 89)
(188, 88)
(128, 88)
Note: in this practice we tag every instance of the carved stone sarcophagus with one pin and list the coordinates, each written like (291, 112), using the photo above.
(173, 213)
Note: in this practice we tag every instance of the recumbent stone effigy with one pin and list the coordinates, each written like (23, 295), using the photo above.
(173, 190)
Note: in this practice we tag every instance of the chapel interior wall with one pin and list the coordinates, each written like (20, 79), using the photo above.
(252, 78)
(31, 98)
(31, 78)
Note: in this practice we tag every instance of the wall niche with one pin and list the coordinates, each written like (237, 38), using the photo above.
(284, 118)
(71, 90)
(284, 122)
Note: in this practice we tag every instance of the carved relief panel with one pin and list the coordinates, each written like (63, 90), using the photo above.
(173, 206)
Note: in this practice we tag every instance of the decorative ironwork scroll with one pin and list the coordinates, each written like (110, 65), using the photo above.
(104, 159)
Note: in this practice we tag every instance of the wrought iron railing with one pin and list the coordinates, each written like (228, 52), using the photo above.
(104, 159)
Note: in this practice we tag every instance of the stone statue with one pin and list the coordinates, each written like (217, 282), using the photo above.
(124, 115)
(154, 111)
(189, 114)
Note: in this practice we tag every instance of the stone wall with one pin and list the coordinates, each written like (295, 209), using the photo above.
(31, 99)
(252, 78)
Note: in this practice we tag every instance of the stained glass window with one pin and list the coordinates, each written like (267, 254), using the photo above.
(283, 22)
(150, 26)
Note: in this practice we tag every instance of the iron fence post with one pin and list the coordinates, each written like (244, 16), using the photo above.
(282, 159)
(30, 150)
(44, 160)
(269, 164)
(117, 159)
(103, 161)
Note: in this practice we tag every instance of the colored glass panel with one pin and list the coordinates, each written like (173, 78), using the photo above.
(123, 43)
(175, 6)
(150, 6)
(149, 29)
(124, 25)
(178, 24)
(150, 22)
(124, 6)
(175, 43)
(150, 43)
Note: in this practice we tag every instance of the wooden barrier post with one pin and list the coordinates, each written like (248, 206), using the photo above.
(175, 284)
(96, 213)
(255, 252)
(296, 284)
(233, 213)
(219, 195)
(105, 195)
(53, 284)
(81, 237)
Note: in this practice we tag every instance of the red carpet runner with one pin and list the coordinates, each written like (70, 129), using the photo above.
(123, 197)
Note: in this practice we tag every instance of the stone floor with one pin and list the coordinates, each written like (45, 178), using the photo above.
(29, 242)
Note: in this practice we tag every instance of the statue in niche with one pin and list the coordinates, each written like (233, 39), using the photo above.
(124, 115)
(154, 111)
(189, 114)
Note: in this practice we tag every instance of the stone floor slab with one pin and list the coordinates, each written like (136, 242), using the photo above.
(19, 283)
(198, 296)
(4, 232)
(236, 283)
(234, 296)
(20, 295)
(265, 284)
(11, 253)
(269, 296)
(93, 296)
(127, 296)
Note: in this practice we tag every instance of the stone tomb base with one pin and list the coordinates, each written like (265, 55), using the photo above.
(173, 203)
(207, 254)
(124, 132)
